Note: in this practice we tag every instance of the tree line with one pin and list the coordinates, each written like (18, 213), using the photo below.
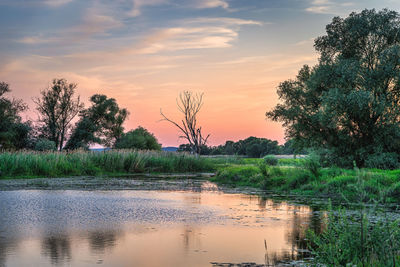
(58, 107)
(252, 147)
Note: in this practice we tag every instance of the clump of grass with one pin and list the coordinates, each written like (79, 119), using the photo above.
(270, 160)
(366, 237)
(56, 164)
(312, 164)
(298, 162)
(245, 175)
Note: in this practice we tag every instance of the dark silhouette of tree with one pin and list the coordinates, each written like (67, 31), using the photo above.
(101, 123)
(190, 104)
(57, 108)
(14, 134)
(348, 105)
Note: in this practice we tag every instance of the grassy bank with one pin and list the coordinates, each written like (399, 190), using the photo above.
(304, 177)
(53, 164)
(293, 176)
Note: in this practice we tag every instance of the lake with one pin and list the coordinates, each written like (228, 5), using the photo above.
(196, 225)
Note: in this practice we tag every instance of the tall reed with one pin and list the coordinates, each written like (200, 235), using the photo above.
(56, 164)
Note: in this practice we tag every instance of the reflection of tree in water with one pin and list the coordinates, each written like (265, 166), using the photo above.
(188, 235)
(58, 248)
(300, 226)
(99, 241)
(262, 203)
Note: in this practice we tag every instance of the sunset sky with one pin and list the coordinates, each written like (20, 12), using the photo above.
(144, 52)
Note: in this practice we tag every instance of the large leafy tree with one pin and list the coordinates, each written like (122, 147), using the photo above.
(57, 107)
(101, 123)
(348, 104)
(13, 132)
(139, 138)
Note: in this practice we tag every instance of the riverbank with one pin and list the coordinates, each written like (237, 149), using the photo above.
(302, 178)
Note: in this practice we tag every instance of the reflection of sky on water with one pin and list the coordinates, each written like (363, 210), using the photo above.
(148, 228)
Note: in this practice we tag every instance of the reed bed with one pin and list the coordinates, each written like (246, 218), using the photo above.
(80, 163)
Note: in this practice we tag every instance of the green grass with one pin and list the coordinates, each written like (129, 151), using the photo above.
(296, 176)
(292, 176)
(80, 163)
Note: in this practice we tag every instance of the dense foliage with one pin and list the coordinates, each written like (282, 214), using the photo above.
(101, 123)
(57, 108)
(43, 144)
(253, 147)
(14, 134)
(139, 138)
(348, 104)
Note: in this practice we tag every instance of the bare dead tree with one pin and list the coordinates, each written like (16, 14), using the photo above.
(189, 104)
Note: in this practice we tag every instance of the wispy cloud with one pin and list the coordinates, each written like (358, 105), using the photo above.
(181, 38)
(212, 4)
(56, 3)
(327, 6)
(94, 21)
(305, 42)
(224, 20)
(199, 33)
(137, 6)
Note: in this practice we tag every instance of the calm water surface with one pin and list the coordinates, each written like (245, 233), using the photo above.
(195, 227)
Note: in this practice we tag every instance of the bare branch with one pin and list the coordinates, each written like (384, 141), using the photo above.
(189, 104)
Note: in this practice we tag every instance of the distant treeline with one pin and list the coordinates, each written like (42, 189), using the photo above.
(253, 147)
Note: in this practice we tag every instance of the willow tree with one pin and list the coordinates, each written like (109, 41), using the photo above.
(349, 103)
(189, 104)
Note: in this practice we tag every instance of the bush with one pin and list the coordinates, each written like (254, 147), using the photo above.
(271, 160)
(263, 169)
(139, 138)
(312, 164)
(241, 174)
(394, 191)
(297, 180)
(45, 145)
(382, 161)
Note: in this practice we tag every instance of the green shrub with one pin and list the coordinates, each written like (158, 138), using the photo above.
(45, 145)
(382, 161)
(237, 174)
(297, 179)
(394, 191)
(264, 169)
(312, 164)
(270, 160)
(140, 138)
